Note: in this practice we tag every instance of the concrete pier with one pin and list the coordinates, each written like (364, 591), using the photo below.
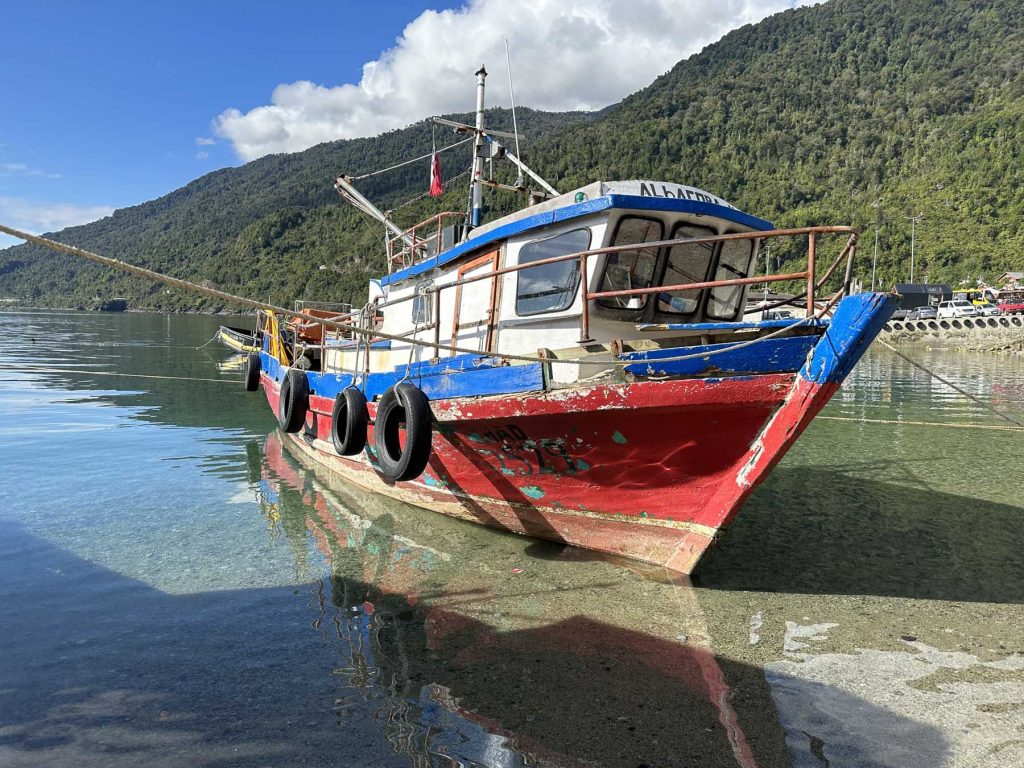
(957, 326)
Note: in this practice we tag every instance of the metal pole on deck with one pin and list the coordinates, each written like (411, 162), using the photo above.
(478, 151)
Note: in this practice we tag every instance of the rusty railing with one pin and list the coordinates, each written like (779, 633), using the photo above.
(809, 276)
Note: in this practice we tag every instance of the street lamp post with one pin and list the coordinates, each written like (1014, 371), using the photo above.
(877, 205)
(874, 260)
(913, 223)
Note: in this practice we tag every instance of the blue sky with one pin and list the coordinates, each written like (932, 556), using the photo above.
(108, 104)
(103, 101)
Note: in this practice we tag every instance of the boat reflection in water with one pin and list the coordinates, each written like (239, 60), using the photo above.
(471, 647)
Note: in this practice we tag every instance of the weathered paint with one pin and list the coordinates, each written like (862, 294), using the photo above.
(767, 356)
(695, 449)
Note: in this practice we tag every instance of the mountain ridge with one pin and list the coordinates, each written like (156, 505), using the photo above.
(809, 117)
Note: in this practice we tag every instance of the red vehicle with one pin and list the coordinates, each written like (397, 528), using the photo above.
(1010, 301)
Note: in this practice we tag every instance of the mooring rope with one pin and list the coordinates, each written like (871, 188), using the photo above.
(213, 338)
(371, 333)
(901, 422)
(87, 372)
(987, 406)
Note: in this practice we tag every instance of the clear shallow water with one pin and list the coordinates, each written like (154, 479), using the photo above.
(175, 590)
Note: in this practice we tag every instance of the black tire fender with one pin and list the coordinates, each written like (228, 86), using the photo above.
(294, 401)
(349, 420)
(403, 403)
(253, 366)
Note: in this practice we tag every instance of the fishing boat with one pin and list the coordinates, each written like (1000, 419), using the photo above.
(579, 370)
(238, 339)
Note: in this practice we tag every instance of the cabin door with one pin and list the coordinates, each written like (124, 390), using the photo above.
(476, 305)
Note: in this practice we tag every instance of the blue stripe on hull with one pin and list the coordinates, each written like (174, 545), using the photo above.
(769, 356)
(440, 381)
(856, 322)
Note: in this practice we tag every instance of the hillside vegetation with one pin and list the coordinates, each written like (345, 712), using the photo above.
(854, 111)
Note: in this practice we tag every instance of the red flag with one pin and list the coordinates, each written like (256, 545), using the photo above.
(436, 188)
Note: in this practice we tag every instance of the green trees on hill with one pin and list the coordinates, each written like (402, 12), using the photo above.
(855, 111)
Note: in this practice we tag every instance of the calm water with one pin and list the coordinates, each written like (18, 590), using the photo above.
(175, 590)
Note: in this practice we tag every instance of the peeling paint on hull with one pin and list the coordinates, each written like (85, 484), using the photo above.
(649, 470)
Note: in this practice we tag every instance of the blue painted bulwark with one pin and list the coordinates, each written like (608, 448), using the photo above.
(464, 376)
(855, 324)
(769, 356)
(575, 211)
(703, 327)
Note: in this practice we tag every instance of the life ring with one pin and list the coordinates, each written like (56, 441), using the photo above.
(406, 403)
(253, 366)
(348, 422)
(294, 401)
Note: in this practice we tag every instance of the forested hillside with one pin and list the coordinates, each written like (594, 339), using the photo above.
(854, 111)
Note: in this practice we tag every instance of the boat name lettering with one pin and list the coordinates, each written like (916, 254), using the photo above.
(680, 192)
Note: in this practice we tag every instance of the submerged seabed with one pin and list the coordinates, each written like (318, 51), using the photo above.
(177, 590)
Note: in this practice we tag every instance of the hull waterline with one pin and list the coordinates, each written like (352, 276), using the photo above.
(652, 471)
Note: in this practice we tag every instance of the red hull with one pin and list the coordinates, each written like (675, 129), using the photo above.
(651, 471)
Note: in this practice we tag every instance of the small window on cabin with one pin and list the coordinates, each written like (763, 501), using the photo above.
(686, 263)
(423, 304)
(733, 262)
(550, 287)
(632, 268)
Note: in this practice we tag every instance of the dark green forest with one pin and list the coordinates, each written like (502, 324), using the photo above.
(856, 112)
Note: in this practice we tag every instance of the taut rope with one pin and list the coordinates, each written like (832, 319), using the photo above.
(369, 332)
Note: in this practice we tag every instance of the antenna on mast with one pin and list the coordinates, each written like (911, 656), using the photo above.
(512, 98)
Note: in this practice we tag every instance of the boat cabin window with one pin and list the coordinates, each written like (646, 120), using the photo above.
(632, 268)
(733, 262)
(550, 287)
(686, 263)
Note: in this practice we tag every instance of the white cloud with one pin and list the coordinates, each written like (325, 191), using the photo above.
(8, 169)
(566, 54)
(202, 155)
(205, 141)
(37, 218)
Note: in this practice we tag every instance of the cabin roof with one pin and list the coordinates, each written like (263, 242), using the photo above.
(628, 195)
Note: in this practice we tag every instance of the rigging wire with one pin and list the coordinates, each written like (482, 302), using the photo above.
(515, 126)
(414, 160)
(421, 196)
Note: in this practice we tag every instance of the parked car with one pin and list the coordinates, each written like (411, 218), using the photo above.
(1011, 307)
(781, 314)
(986, 308)
(922, 313)
(957, 308)
(900, 314)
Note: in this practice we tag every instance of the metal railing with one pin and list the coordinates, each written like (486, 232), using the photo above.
(410, 246)
(814, 283)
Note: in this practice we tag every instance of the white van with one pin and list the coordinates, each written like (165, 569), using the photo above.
(957, 308)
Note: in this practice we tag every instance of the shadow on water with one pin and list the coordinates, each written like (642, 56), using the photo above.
(829, 530)
(407, 639)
